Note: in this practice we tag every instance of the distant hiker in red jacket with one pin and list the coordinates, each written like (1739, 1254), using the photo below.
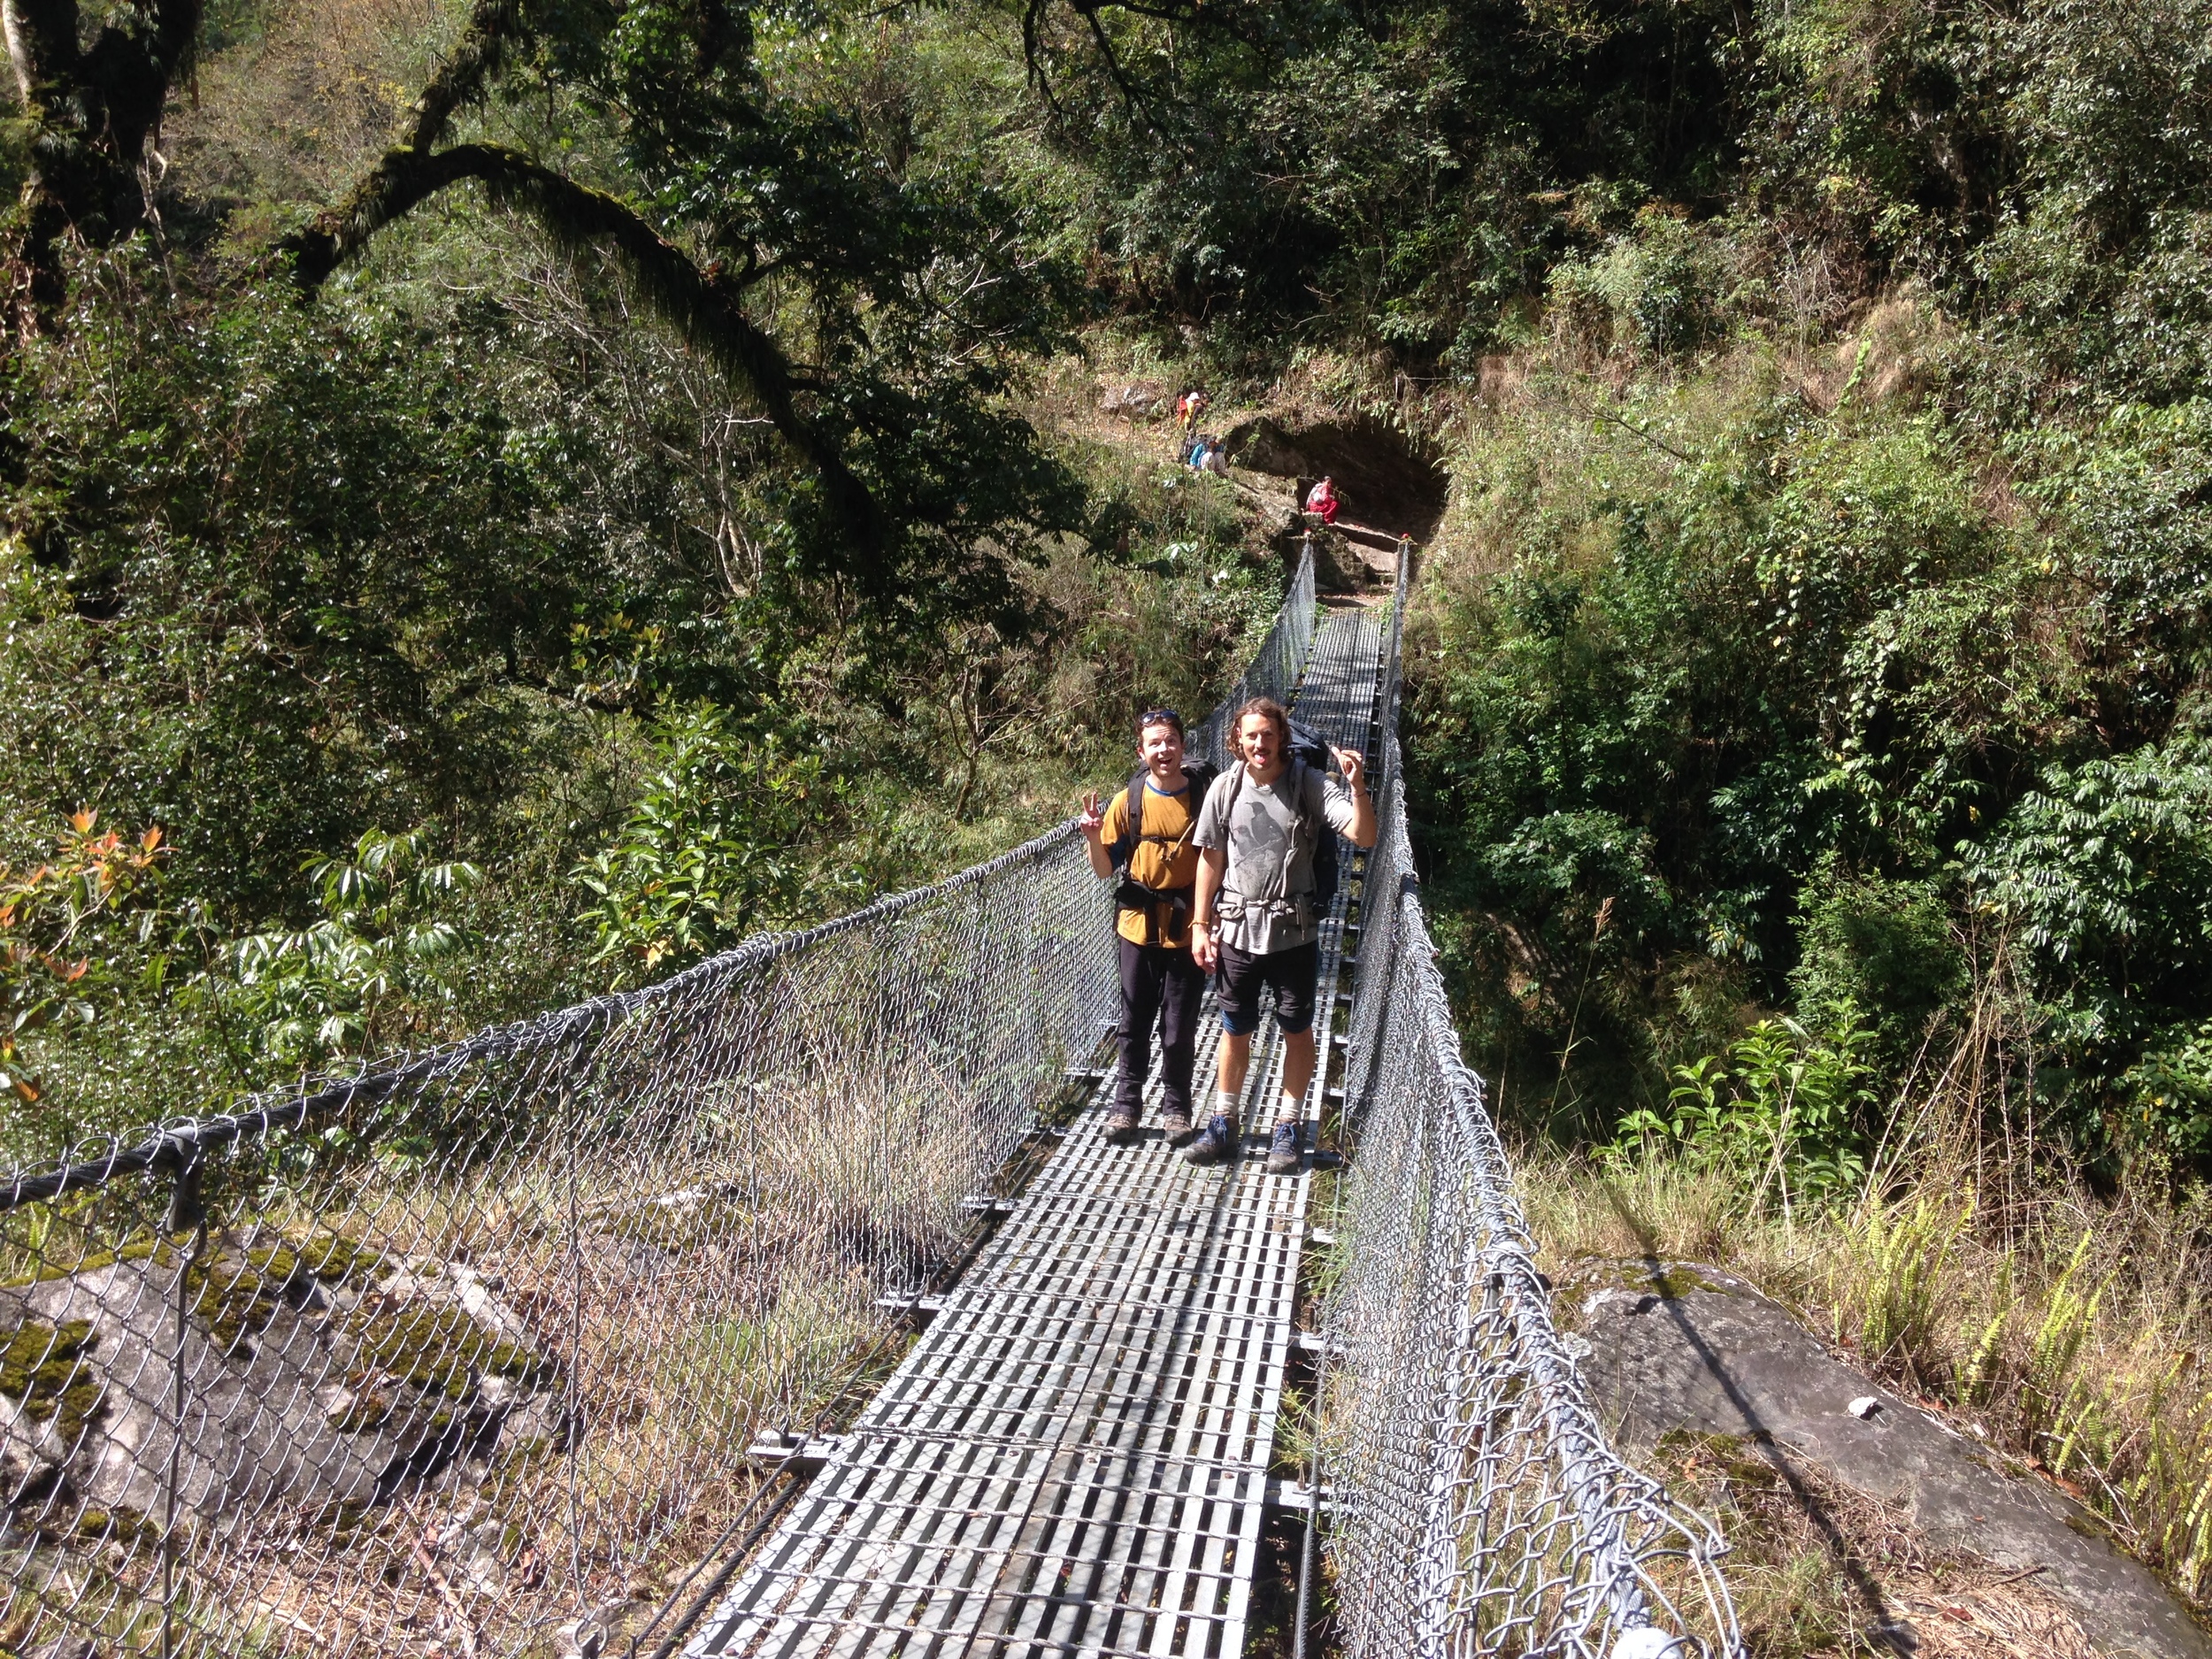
(1322, 499)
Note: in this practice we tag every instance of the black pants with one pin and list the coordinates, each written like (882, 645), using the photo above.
(1164, 987)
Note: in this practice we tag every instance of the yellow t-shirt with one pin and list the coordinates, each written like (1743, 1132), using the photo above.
(1171, 863)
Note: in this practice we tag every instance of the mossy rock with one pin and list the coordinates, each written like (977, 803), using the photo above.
(369, 1411)
(134, 1250)
(437, 1350)
(118, 1526)
(1675, 1281)
(237, 1293)
(48, 1368)
(521, 1453)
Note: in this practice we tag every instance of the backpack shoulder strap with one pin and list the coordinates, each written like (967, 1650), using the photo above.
(1309, 821)
(1124, 845)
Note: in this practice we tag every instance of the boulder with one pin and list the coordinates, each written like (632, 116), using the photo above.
(1135, 400)
(1262, 445)
(322, 1377)
(1670, 1348)
(31, 1450)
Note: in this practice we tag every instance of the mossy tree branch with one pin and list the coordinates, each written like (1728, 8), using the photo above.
(475, 59)
(704, 306)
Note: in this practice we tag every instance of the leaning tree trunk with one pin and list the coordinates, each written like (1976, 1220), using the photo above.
(98, 114)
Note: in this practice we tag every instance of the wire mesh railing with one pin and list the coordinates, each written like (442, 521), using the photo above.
(447, 1356)
(1276, 666)
(1480, 1506)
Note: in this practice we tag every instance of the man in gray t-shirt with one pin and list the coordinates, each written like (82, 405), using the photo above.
(1255, 920)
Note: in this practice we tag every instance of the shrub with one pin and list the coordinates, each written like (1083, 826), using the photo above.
(1876, 950)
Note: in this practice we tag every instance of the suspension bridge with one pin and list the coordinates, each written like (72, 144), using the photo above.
(798, 1305)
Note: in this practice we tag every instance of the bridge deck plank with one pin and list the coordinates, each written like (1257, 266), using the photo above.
(1073, 1459)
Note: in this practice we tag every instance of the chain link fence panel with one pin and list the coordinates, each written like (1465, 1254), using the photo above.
(1276, 669)
(1480, 1506)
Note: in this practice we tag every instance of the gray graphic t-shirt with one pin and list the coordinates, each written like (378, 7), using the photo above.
(1268, 869)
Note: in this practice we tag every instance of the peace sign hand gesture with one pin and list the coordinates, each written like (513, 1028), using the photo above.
(1093, 816)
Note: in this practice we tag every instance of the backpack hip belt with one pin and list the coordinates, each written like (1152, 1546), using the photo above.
(1134, 895)
(1299, 905)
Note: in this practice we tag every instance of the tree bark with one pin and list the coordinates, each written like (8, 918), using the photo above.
(98, 111)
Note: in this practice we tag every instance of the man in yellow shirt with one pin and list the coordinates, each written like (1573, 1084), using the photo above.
(1143, 836)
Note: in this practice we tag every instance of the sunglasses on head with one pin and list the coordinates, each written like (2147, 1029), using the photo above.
(1155, 717)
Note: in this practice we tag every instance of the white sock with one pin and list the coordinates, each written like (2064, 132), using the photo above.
(1292, 1110)
(1228, 1105)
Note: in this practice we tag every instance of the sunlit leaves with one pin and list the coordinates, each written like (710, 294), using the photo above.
(2106, 869)
(713, 850)
(383, 943)
(57, 919)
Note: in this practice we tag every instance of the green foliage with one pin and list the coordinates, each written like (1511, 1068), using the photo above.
(2063, 1407)
(711, 852)
(2106, 869)
(58, 927)
(1783, 1110)
(1685, 689)
(2168, 1093)
(272, 580)
(2106, 279)
(1398, 175)
(1877, 950)
(378, 962)
(1904, 1255)
(1872, 723)
(1655, 289)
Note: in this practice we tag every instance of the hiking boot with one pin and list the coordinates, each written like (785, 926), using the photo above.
(1219, 1144)
(1121, 1125)
(1175, 1123)
(1287, 1150)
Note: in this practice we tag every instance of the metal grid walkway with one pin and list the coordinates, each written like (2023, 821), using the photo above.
(1073, 1459)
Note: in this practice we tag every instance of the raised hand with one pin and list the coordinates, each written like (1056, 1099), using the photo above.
(1093, 816)
(1354, 768)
